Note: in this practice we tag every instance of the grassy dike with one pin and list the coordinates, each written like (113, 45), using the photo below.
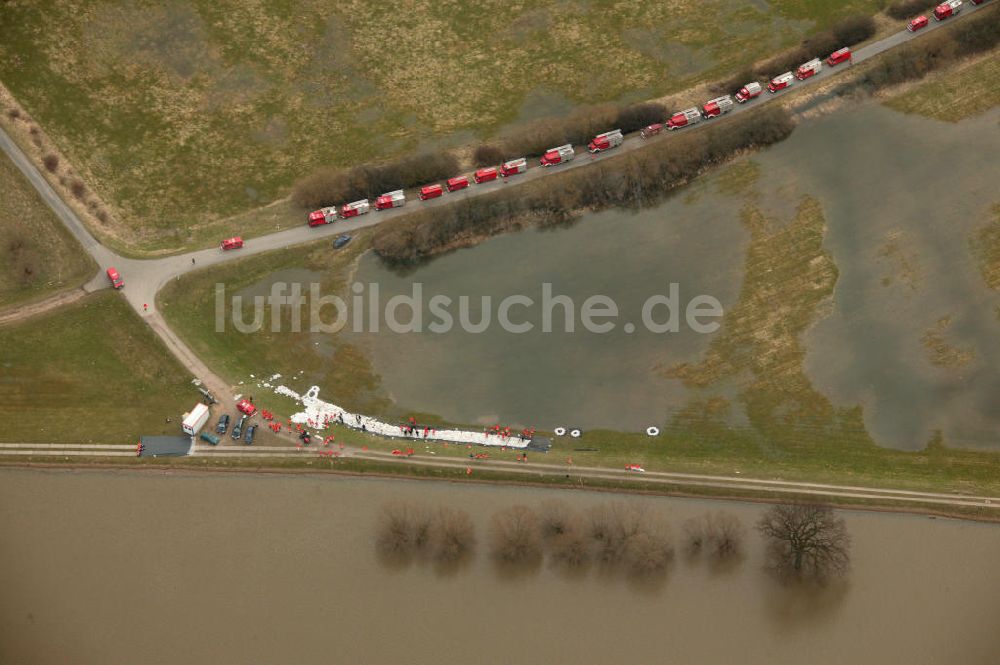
(308, 464)
(91, 372)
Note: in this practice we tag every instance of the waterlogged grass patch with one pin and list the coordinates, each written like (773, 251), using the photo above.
(902, 260)
(985, 246)
(739, 178)
(940, 351)
(788, 275)
(958, 93)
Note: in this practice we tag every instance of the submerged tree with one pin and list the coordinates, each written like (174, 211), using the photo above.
(516, 535)
(805, 541)
(625, 536)
(403, 530)
(718, 535)
(452, 536)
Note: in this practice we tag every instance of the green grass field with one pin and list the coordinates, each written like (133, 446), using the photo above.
(186, 113)
(91, 372)
(38, 256)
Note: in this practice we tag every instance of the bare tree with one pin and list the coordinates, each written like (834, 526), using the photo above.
(718, 534)
(626, 536)
(452, 536)
(516, 535)
(556, 518)
(805, 541)
(403, 530)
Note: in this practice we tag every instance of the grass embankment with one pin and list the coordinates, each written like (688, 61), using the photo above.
(186, 113)
(91, 372)
(965, 90)
(38, 256)
(341, 368)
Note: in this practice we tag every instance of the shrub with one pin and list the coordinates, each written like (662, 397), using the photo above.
(847, 32)
(909, 8)
(51, 162)
(402, 531)
(629, 179)
(488, 154)
(451, 536)
(327, 186)
(516, 536)
(852, 30)
(636, 116)
(976, 34)
(718, 535)
(78, 189)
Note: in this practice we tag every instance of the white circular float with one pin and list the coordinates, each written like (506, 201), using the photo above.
(652, 431)
(559, 431)
(575, 433)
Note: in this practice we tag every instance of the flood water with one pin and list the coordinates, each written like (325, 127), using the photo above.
(104, 567)
(576, 378)
(901, 212)
(901, 196)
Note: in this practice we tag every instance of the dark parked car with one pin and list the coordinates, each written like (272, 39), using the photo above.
(238, 428)
(341, 241)
(211, 438)
(248, 437)
(223, 424)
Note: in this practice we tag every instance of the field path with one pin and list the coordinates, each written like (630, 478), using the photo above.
(20, 312)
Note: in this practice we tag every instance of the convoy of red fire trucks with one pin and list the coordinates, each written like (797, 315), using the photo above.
(614, 138)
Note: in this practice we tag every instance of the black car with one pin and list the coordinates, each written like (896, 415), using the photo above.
(238, 428)
(341, 241)
(223, 424)
(248, 437)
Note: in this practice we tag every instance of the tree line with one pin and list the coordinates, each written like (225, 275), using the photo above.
(630, 179)
(804, 542)
(976, 34)
(847, 32)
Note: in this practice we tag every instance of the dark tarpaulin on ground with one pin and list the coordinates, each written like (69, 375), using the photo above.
(540, 444)
(166, 446)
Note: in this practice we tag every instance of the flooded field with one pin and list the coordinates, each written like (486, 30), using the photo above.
(123, 567)
(913, 335)
(578, 378)
(910, 334)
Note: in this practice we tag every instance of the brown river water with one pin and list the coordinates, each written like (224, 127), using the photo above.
(128, 567)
